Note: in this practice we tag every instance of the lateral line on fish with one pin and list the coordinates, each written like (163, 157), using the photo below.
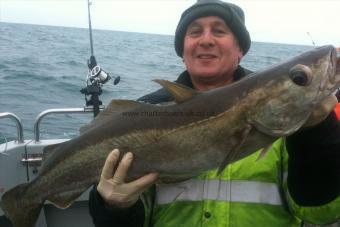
(168, 132)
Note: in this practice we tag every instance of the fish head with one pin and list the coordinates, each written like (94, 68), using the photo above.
(290, 91)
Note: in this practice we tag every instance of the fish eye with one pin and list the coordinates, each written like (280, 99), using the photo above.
(301, 75)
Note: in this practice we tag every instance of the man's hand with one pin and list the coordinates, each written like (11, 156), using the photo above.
(321, 111)
(112, 186)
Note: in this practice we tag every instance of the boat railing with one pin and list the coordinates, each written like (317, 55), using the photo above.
(57, 111)
(20, 131)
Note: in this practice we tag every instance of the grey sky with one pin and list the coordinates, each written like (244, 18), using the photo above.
(286, 21)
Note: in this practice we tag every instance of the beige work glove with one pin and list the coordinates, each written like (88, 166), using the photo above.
(321, 111)
(112, 186)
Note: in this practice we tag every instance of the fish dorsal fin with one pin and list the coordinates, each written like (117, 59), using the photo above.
(180, 92)
(116, 106)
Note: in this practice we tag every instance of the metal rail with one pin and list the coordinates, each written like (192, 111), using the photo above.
(20, 131)
(57, 111)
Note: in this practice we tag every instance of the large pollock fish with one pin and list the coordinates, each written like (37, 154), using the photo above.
(202, 131)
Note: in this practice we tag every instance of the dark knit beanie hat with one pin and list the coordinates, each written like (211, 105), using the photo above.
(232, 15)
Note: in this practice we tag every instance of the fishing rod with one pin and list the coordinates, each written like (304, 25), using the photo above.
(311, 38)
(96, 76)
(90, 25)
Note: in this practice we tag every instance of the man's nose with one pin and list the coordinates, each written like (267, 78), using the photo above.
(207, 39)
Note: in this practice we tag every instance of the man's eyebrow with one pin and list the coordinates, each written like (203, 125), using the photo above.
(194, 24)
(220, 23)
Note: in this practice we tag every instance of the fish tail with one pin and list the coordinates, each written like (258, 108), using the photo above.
(22, 209)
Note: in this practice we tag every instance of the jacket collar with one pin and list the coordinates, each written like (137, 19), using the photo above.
(184, 77)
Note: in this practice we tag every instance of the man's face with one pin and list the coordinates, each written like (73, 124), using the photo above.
(211, 51)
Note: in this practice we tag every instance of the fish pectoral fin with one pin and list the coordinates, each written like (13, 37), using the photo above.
(242, 136)
(65, 199)
(116, 106)
(180, 92)
(263, 152)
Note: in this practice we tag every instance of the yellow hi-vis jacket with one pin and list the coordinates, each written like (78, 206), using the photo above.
(248, 193)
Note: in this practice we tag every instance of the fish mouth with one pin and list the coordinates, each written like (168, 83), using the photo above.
(334, 67)
(337, 62)
(332, 72)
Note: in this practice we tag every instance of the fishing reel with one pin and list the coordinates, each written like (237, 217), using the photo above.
(96, 78)
(97, 75)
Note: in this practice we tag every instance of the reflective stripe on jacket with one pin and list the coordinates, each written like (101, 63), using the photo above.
(249, 192)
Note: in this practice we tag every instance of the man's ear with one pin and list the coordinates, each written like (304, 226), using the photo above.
(240, 56)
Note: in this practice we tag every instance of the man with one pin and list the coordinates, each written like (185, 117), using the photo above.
(211, 38)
